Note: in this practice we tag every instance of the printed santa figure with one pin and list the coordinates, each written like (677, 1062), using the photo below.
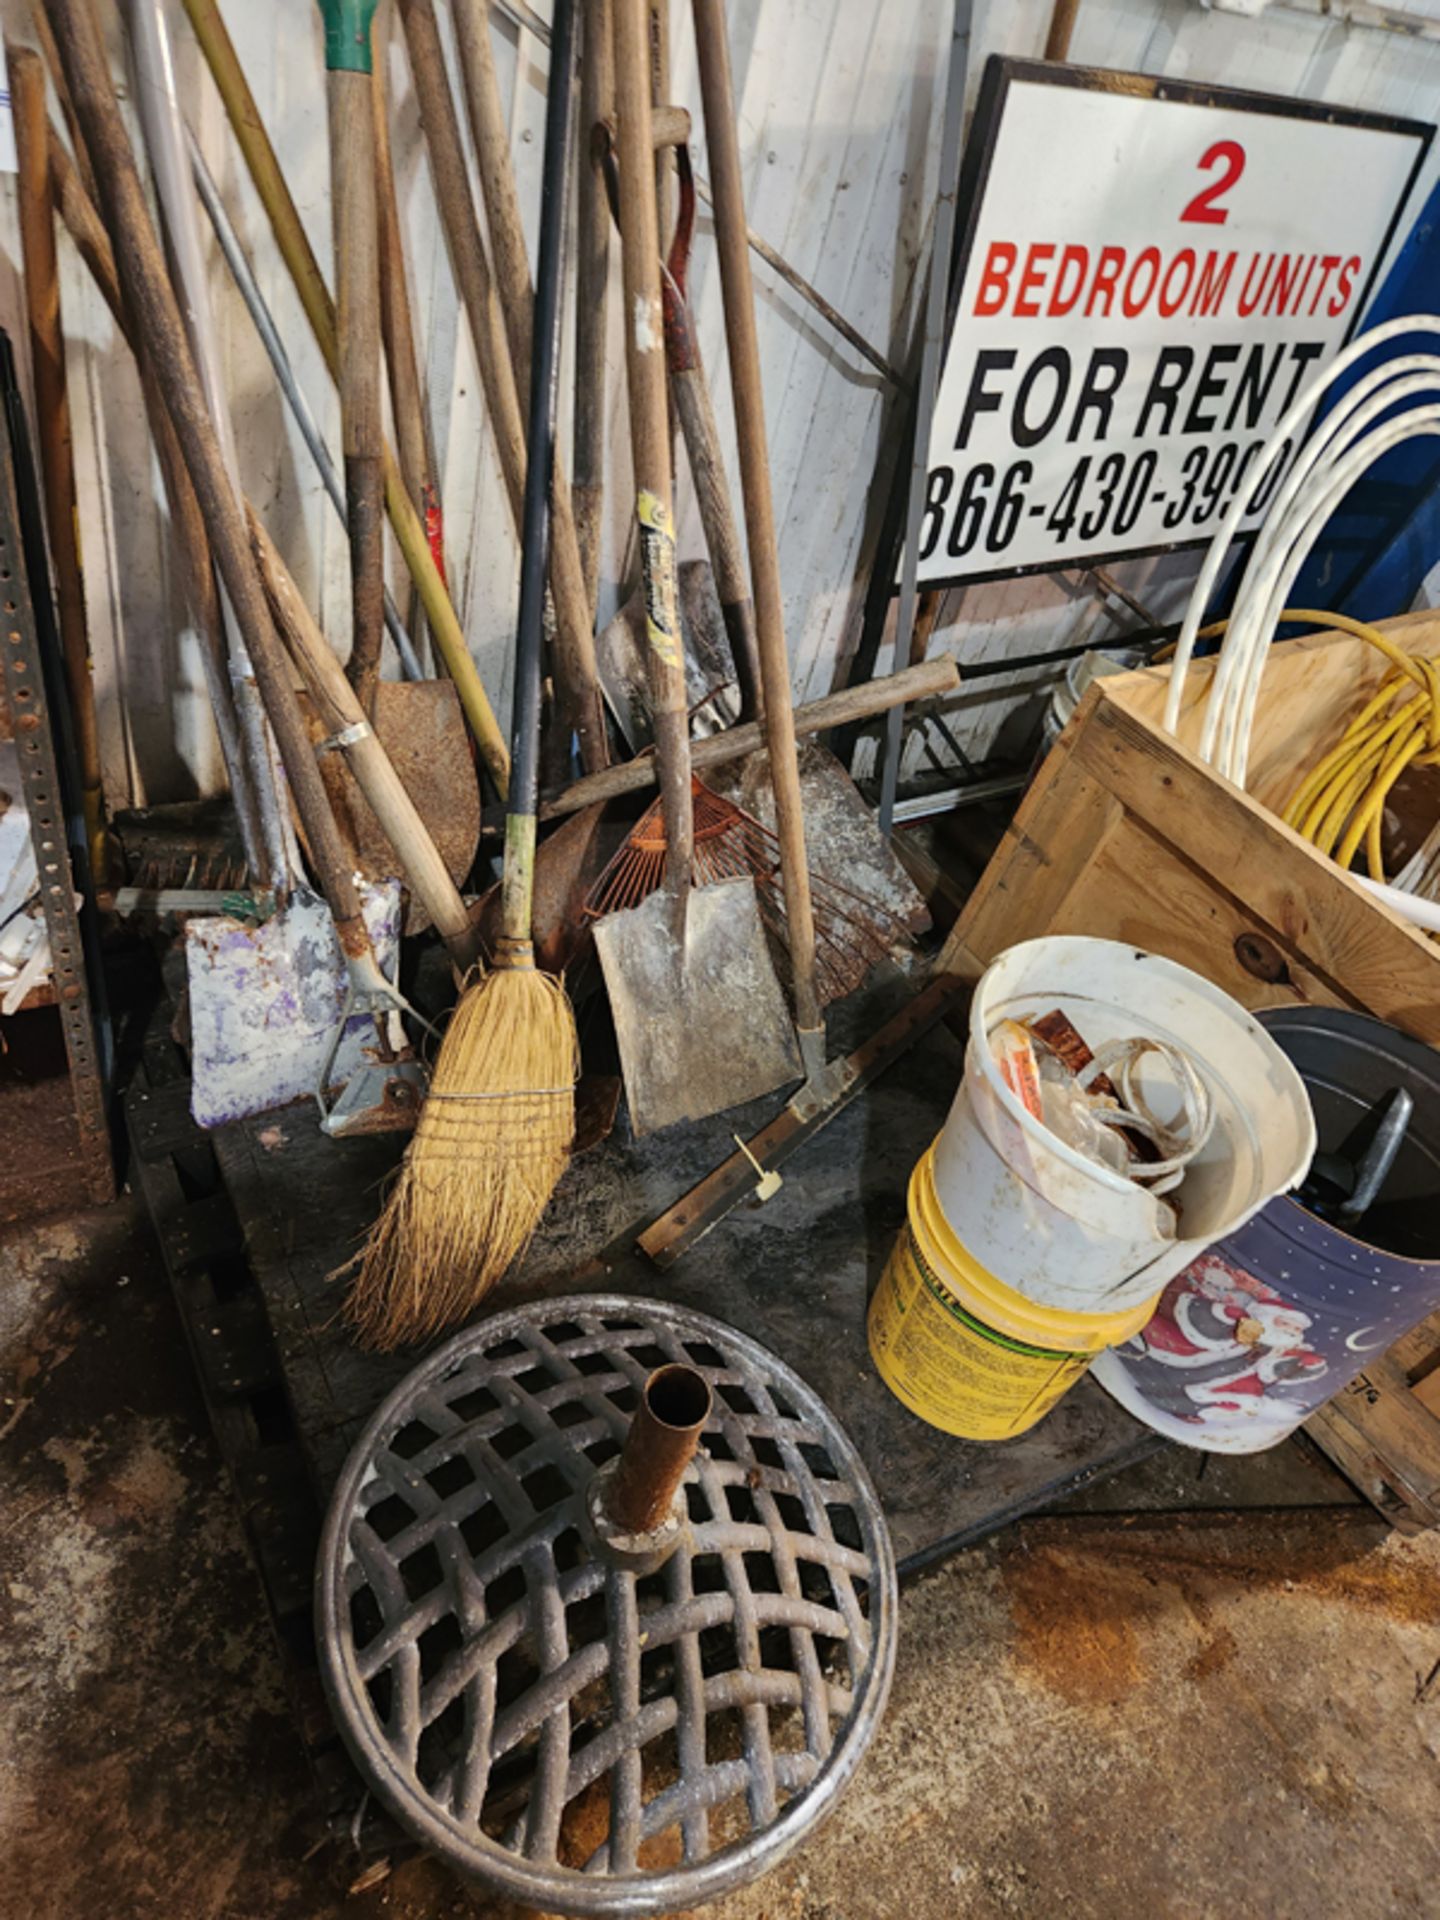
(1230, 1340)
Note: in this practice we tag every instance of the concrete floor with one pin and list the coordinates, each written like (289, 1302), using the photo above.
(1093, 1714)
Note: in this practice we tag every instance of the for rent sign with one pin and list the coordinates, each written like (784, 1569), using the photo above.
(1150, 273)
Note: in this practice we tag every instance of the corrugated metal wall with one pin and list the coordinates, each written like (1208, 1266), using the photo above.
(840, 108)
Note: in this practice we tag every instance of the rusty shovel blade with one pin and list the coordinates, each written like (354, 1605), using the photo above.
(701, 1028)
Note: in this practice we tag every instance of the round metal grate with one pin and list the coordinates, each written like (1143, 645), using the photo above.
(573, 1735)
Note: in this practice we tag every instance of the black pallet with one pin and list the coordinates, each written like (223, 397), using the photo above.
(237, 1363)
(256, 1217)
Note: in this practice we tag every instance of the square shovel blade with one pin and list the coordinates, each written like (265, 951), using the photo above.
(700, 1029)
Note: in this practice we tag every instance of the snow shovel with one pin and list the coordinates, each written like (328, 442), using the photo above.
(699, 1014)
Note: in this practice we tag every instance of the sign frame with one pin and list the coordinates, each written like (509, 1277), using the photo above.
(1001, 73)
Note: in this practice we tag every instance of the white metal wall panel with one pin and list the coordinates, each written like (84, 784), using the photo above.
(840, 106)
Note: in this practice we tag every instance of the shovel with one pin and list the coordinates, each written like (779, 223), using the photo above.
(699, 1014)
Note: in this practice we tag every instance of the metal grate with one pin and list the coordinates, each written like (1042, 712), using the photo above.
(575, 1736)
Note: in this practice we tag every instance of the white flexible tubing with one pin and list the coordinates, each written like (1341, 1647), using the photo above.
(1418, 423)
(1282, 569)
(1420, 913)
(1259, 605)
(1240, 505)
(1249, 631)
(1351, 415)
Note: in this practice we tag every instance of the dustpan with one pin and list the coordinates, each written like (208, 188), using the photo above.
(267, 1000)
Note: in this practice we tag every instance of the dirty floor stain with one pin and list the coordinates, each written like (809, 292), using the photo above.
(1092, 1715)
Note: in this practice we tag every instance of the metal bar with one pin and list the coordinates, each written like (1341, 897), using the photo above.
(660, 1445)
(974, 793)
(936, 300)
(720, 1192)
(32, 688)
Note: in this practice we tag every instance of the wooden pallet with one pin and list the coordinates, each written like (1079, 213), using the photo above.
(1383, 1430)
(1125, 834)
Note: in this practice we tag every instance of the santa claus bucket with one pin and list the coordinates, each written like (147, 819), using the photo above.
(1051, 1222)
(1272, 1321)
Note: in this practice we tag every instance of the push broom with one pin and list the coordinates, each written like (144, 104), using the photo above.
(495, 1133)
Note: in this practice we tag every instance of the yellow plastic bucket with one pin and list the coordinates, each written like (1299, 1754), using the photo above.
(962, 1350)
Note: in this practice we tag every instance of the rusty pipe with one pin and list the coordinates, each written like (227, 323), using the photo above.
(660, 1445)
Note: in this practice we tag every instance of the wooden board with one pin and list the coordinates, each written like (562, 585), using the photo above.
(1384, 1430)
(1126, 835)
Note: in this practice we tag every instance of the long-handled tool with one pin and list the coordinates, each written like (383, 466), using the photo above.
(717, 96)
(854, 930)
(487, 1154)
(52, 410)
(421, 722)
(192, 548)
(295, 250)
(159, 112)
(429, 876)
(375, 773)
(698, 1011)
(314, 988)
(702, 446)
(351, 108)
(696, 411)
(574, 634)
(243, 274)
(397, 332)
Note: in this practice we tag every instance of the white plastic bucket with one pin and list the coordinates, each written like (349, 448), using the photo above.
(1053, 1224)
(1070, 689)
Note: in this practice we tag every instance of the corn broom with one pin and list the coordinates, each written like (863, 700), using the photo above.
(496, 1129)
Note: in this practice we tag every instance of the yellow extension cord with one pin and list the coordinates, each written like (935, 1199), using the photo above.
(1341, 800)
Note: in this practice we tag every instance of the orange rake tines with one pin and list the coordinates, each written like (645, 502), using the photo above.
(852, 933)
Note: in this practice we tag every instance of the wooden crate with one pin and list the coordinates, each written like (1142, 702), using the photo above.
(1127, 835)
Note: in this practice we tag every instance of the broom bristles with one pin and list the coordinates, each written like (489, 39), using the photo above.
(493, 1139)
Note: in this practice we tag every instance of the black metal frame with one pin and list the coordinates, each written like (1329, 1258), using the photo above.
(35, 693)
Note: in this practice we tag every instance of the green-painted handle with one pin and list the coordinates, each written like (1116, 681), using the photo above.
(347, 34)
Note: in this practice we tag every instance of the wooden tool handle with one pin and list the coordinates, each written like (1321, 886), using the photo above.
(397, 325)
(197, 575)
(650, 430)
(843, 709)
(717, 96)
(151, 301)
(295, 250)
(52, 408)
(373, 768)
(712, 491)
(357, 280)
(491, 133)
